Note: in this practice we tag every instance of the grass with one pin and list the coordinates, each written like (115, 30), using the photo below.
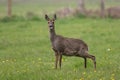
(25, 49)
(26, 54)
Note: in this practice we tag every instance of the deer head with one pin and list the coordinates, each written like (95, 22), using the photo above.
(50, 21)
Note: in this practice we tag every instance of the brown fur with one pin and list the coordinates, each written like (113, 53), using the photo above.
(67, 46)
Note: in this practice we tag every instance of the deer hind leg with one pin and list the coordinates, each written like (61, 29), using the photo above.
(85, 62)
(81, 53)
(91, 57)
(94, 60)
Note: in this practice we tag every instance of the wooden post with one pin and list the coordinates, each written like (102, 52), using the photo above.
(81, 6)
(102, 6)
(9, 8)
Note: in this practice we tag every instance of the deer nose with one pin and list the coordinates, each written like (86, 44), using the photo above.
(50, 25)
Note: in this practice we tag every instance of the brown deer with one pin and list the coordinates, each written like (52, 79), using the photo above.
(67, 46)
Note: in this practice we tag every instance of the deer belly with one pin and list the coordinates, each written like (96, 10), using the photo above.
(69, 52)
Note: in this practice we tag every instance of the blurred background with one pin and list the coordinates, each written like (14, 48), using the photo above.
(63, 8)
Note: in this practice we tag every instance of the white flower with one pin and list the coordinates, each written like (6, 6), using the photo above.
(108, 49)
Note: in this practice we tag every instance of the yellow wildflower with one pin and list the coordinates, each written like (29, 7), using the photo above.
(81, 78)
(84, 73)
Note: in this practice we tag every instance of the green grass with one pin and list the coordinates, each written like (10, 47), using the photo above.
(26, 54)
(25, 49)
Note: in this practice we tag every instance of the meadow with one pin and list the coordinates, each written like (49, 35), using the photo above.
(26, 54)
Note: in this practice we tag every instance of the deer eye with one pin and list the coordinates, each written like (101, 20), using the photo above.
(53, 22)
(48, 22)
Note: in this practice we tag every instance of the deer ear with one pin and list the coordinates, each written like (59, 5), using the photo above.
(55, 17)
(46, 17)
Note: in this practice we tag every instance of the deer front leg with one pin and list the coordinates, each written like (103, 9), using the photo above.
(60, 60)
(56, 60)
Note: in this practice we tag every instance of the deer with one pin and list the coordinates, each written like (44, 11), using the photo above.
(67, 46)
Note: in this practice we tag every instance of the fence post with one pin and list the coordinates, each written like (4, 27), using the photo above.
(102, 6)
(81, 5)
(9, 8)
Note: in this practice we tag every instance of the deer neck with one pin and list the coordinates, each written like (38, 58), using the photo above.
(52, 34)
